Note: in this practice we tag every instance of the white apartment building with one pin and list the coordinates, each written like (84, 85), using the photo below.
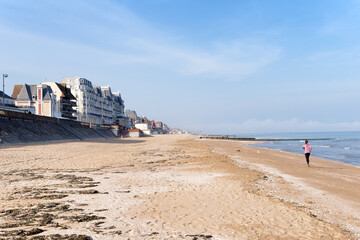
(96, 104)
(87, 101)
(119, 105)
(107, 106)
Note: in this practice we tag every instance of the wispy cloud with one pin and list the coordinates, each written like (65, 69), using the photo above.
(228, 61)
(90, 31)
(111, 44)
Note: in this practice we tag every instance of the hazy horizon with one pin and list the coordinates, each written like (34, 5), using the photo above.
(205, 66)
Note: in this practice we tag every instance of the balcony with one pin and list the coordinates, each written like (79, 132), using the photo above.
(68, 110)
(67, 102)
(68, 115)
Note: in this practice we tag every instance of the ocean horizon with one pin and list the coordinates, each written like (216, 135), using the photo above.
(339, 146)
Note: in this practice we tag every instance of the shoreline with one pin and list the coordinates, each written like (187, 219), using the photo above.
(326, 188)
(312, 156)
(165, 187)
(254, 141)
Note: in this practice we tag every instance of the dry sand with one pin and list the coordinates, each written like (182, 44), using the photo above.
(173, 187)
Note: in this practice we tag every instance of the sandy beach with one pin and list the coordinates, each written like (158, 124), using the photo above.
(173, 187)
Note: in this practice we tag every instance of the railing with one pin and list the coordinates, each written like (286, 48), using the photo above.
(14, 109)
(64, 101)
(67, 102)
(32, 117)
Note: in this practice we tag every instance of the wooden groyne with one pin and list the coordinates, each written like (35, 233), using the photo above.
(226, 137)
(231, 137)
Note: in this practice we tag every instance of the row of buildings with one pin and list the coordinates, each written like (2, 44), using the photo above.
(74, 98)
(146, 125)
(78, 99)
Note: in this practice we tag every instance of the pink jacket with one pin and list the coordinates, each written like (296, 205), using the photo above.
(307, 148)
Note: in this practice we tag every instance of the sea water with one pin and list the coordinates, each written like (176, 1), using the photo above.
(341, 147)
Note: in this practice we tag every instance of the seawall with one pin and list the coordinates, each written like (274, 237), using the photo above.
(16, 127)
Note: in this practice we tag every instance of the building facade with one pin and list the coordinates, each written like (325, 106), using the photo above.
(132, 116)
(159, 125)
(143, 126)
(96, 104)
(108, 104)
(88, 106)
(66, 101)
(135, 133)
(118, 111)
(39, 99)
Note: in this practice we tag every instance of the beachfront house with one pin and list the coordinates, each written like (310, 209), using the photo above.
(135, 133)
(159, 125)
(166, 128)
(36, 98)
(146, 127)
(143, 126)
(131, 114)
(66, 101)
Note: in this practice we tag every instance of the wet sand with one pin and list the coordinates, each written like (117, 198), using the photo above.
(173, 187)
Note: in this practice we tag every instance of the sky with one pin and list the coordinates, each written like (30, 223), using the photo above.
(215, 67)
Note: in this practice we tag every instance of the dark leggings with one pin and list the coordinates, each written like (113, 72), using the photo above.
(307, 156)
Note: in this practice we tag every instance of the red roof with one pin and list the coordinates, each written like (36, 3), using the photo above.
(16, 91)
(134, 130)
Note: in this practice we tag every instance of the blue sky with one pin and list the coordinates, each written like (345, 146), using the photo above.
(206, 65)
